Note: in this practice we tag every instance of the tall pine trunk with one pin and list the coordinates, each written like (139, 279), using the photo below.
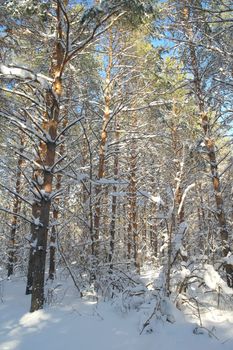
(114, 197)
(52, 246)
(16, 210)
(133, 236)
(102, 151)
(208, 140)
(46, 154)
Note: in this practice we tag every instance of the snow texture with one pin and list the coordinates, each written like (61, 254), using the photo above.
(214, 281)
(24, 73)
(229, 259)
(70, 323)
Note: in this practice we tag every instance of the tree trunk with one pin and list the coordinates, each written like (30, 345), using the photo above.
(52, 246)
(16, 209)
(114, 197)
(46, 154)
(209, 143)
(102, 149)
(132, 198)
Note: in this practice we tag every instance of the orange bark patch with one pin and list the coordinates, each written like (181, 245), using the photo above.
(52, 128)
(43, 150)
(216, 183)
(210, 143)
(57, 86)
(48, 188)
(104, 136)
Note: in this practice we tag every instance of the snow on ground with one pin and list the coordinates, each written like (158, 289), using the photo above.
(73, 324)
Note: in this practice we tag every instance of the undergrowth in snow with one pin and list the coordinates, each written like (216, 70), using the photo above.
(135, 317)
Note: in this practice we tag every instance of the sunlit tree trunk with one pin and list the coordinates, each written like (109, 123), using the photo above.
(16, 210)
(102, 148)
(133, 237)
(46, 154)
(208, 140)
(114, 196)
(153, 230)
(52, 247)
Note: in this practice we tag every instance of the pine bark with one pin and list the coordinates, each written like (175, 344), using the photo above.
(52, 246)
(16, 210)
(209, 142)
(47, 152)
(114, 197)
(133, 236)
(102, 150)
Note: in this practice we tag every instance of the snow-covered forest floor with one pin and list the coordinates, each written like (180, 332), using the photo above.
(68, 322)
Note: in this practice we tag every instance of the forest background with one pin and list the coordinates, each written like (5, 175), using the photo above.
(116, 146)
